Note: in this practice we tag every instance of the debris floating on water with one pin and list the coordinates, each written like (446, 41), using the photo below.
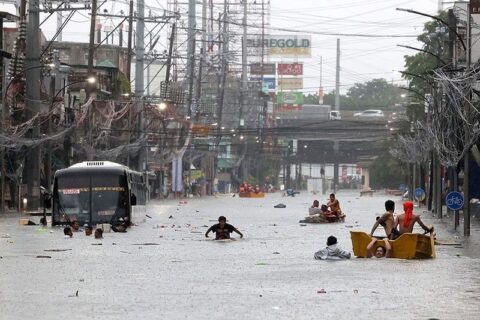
(46, 257)
(321, 291)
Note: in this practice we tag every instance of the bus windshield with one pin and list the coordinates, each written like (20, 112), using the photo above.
(91, 197)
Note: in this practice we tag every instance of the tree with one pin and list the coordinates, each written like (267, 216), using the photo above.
(376, 93)
(386, 172)
(418, 67)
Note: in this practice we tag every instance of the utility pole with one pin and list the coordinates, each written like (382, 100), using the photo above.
(191, 51)
(139, 86)
(129, 45)
(320, 90)
(59, 25)
(243, 90)
(203, 50)
(48, 160)
(466, 157)
(32, 64)
(90, 86)
(224, 70)
(337, 79)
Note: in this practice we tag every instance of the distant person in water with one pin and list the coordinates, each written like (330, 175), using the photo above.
(67, 231)
(222, 229)
(314, 209)
(75, 226)
(387, 221)
(407, 220)
(334, 205)
(380, 251)
(332, 251)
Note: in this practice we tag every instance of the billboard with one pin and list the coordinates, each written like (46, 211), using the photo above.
(293, 98)
(290, 83)
(290, 69)
(288, 107)
(268, 83)
(282, 45)
(268, 68)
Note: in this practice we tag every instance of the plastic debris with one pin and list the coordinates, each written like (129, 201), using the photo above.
(321, 291)
(276, 252)
(171, 217)
(355, 291)
(303, 225)
(46, 257)
(145, 244)
(74, 295)
(280, 205)
(56, 250)
(261, 264)
(148, 216)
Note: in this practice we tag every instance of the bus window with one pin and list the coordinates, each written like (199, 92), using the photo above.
(109, 198)
(73, 198)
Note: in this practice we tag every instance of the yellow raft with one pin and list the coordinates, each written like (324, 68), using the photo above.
(251, 195)
(407, 246)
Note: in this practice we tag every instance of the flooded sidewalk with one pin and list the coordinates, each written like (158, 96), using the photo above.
(165, 268)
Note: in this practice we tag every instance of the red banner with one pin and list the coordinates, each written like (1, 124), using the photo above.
(289, 107)
(290, 69)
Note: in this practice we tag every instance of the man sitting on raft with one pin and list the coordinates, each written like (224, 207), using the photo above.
(334, 205)
(407, 220)
(387, 221)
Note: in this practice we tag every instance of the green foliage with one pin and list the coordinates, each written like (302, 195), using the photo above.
(376, 93)
(373, 94)
(419, 67)
(123, 83)
(386, 172)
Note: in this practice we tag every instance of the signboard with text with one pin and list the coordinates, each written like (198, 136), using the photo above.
(268, 68)
(294, 98)
(281, 45)
(268, 83)
(288, 108)
(290, 83)
(290, 69)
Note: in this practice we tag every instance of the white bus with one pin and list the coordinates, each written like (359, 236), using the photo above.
(95, 192)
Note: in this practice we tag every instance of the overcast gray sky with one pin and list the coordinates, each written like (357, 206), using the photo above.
(362, 58)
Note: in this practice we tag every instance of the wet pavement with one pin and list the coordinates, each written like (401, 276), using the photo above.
(166, 269)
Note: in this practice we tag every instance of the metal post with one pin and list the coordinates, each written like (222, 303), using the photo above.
(191, 52)
(2, 121)
(337, 79)
(129, 42)
(466, 164)
(32, 104)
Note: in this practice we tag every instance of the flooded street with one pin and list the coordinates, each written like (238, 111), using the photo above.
(166, 269)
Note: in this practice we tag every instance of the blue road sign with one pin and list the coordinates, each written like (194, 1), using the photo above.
(419, 194)
(454, 200)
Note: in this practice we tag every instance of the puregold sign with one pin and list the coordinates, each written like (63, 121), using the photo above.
(283, 46)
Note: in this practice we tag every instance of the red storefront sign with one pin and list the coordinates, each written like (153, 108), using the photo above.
(290, 69)
(289, 107)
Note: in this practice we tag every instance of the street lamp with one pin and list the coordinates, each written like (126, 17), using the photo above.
(48, 175)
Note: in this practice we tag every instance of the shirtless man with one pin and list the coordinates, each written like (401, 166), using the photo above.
(387, 220)
(334, 205)
(407, 220)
